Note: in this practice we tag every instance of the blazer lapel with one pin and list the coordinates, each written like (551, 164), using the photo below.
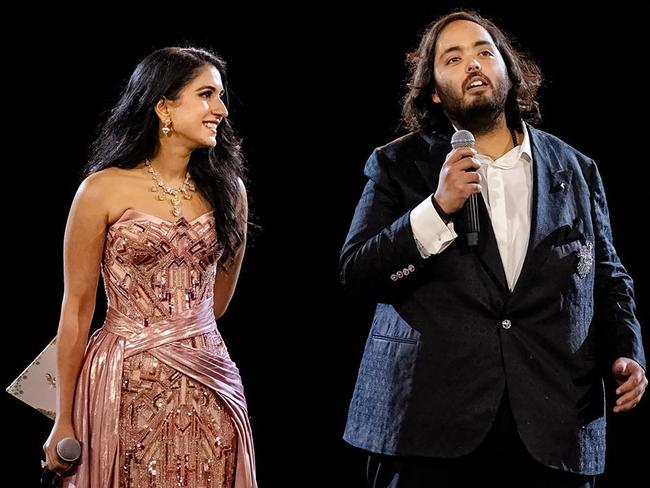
(487, 249)
(552, 205)
(429, 167)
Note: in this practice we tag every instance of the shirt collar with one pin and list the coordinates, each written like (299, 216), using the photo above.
(523, 150)
(525, 144)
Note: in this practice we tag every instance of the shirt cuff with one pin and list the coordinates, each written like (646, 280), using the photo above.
(431, 234)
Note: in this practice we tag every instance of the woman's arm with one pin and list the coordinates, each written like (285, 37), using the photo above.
(226, 279)
(83, 246)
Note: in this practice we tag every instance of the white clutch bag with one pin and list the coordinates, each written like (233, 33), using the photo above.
(36, 386)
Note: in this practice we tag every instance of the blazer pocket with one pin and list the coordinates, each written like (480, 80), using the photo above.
(567, 248)
(401, 340)
(571, 240)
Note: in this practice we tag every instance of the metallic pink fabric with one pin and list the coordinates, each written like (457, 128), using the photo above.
(97, 397)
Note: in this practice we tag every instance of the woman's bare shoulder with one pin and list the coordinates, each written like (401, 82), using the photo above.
(115, 181)
(103, 190)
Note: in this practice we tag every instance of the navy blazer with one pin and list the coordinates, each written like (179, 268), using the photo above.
(448, 334)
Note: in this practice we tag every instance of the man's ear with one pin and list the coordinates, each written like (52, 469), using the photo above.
(434, 97)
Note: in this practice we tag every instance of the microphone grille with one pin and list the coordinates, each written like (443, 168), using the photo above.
(462, 138)
(68, 449)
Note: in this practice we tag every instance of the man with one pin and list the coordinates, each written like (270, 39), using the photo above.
(486, 359)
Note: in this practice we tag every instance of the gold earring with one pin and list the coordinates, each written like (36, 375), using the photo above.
(167, 128)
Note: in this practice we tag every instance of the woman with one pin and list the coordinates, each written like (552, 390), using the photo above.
(156, 400)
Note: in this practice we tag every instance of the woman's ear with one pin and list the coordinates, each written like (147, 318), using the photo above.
(162, 110)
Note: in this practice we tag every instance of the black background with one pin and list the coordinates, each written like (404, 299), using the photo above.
(313, 91)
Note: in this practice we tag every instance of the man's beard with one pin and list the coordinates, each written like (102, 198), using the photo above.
(479, 117)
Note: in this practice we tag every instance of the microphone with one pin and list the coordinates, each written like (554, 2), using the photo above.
(68, 450)
(464, 138)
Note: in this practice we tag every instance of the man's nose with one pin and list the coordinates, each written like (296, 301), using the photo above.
(473, 65)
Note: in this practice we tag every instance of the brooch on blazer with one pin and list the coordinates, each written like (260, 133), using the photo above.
(585, 259)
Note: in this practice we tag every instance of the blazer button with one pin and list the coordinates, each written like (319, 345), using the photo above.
(399, 274)
(411, 268)
(405, 271)
(506, 324)
(393, 277)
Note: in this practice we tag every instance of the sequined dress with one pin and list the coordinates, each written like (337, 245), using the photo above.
(159, 402)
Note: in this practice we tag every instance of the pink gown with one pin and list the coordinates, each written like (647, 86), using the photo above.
(159, 402)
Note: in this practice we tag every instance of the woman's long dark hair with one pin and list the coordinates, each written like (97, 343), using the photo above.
(418, 110)
(130, 135)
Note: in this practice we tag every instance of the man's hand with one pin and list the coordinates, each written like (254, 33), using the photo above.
(632, 383)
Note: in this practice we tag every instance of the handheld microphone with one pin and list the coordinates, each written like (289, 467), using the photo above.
(464, 138)
(68, 450)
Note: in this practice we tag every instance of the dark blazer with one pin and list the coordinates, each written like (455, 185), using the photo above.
(448, 334)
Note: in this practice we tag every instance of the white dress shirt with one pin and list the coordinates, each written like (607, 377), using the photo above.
(507, 189)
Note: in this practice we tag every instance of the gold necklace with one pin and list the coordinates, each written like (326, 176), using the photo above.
(174, 193)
